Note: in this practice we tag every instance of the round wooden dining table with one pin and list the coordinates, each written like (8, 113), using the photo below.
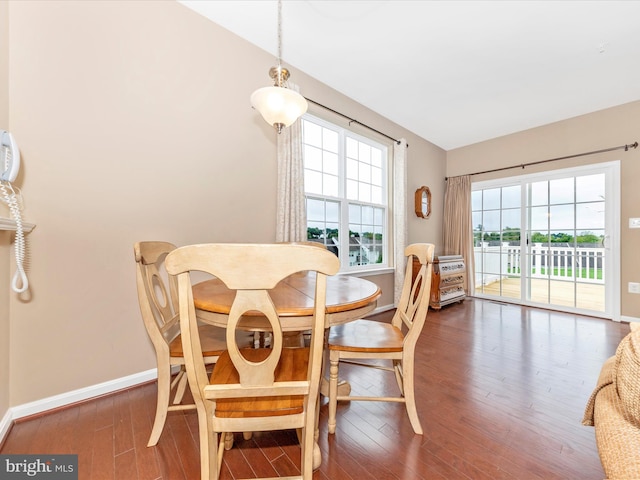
(348, 298)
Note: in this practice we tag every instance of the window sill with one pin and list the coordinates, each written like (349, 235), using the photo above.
(8, 224)
(368, 273)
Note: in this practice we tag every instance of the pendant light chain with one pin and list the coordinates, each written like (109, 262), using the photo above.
(280, 79)
(279, 31)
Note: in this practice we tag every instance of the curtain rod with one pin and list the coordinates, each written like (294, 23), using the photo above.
(626, 148)
(352, 120)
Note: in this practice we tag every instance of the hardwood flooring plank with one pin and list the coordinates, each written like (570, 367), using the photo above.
(65, 431)
(239, 466)
(187, 450)
(355, 458)
(167, 453)
(259, 458)
(141, 423)
(374, 444)
(103, 462)
(44, 440)
(267, 443)
(122, 425)
(21, 434)
(125, 465)
(288, 442)
(104, 411)
(285, 467)
(486, 459)
(84, 439)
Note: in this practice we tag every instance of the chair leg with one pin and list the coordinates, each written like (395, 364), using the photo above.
(334, 359)
(182, 386)
(397, 370)
(410, 398)
(221, 448)
(317, 454)
(162, 402)
(210, 455)
(307, 446)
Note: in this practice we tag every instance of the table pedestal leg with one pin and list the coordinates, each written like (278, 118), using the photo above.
(344, 387)
(293, 339)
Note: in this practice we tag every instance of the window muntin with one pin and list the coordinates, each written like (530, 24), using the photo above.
(347, 196)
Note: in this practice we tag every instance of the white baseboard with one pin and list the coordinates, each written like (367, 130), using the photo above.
(82, 394)
(5, 424)
(74, 396)
(383, 308)
(625, 318)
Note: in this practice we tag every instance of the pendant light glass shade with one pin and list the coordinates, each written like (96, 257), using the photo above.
(279, 106)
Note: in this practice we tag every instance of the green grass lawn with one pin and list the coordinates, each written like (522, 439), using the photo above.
(592, 273)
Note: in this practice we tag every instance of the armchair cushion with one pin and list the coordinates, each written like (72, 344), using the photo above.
(627, 377)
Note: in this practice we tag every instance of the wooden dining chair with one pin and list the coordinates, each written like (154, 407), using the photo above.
(157, 296)
(395, 341)
(260, 389)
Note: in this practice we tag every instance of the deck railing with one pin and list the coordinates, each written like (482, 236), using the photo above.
(584, 264)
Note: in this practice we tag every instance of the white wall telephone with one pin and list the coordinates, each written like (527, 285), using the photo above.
(11, 157)
(10, 165)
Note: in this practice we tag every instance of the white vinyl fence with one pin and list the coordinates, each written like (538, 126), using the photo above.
(583, 264)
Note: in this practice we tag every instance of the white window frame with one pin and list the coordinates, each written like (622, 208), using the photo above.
(344, 202)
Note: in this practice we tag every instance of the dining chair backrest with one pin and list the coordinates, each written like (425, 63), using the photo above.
(251, 270)
(158, 301)
(157, 293)
(411, 312)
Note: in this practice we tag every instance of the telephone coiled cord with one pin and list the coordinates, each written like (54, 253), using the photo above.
(20, 276)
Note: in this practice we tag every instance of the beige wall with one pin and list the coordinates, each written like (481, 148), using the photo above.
(5, 237)
(596, 131)
(134, 124)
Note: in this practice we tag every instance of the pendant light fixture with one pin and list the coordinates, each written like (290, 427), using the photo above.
(279, 105)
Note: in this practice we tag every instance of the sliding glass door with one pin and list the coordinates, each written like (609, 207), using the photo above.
(548, 239)
(497, 218)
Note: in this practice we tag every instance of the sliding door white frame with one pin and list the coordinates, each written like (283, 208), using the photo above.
(611, 170)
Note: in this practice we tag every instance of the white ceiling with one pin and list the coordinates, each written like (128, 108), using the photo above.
(454, 72)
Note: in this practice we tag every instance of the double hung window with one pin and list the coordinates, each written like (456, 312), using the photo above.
(346, 189)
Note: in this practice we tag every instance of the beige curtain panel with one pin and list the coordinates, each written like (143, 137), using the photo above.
(458, 226)
(400, 227)
(291, 221)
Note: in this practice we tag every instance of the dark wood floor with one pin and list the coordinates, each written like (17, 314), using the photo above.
(501, 392)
